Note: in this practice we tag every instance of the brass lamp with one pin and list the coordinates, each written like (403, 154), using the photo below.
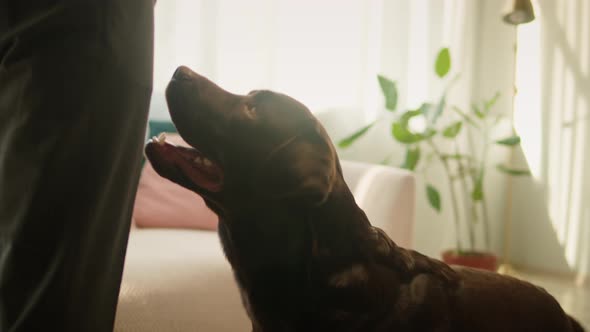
(518, 12)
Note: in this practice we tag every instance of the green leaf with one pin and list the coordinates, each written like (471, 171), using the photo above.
(477, 111)
(427, 110)
(428, 133)
(389, 89)
(456, 156)
(509, 141)
(512, 171)
(412, 158)
(440, 107)
(452, 130)
(405, 118)
(443, 62)
(477, 193)
(403, 135)
(346, 142)
(488, 104)
(433, 197)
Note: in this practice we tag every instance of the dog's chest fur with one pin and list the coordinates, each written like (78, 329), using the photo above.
(344, 276)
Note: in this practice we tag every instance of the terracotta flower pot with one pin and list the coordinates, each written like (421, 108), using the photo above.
(474, 259)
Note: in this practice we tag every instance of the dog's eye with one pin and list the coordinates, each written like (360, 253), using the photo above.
(250, 110)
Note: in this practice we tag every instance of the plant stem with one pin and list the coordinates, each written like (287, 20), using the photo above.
(452, 189)
(469, 205)
(486, 227)
(484, 206)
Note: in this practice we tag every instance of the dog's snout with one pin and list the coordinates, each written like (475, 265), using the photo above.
(183, 73)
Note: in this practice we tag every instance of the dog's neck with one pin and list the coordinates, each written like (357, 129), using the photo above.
(263, 238)
(273, 252)
(339, 217)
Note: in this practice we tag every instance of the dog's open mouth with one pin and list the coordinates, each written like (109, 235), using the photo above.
(180, 164)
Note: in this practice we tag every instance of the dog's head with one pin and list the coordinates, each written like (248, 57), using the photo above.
(247, 149)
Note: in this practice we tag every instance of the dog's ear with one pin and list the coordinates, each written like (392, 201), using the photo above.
(305, 170)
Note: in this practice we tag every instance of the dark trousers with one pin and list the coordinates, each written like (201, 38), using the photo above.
(75, 85)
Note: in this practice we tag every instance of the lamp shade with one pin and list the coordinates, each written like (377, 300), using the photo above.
(518, 12)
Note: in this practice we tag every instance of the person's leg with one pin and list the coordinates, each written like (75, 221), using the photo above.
(75, 86)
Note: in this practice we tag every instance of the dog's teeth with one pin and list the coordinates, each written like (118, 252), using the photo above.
(161, 139)
(207, 162)
(198, 160)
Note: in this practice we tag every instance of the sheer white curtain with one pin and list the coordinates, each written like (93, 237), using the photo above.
(325, 53)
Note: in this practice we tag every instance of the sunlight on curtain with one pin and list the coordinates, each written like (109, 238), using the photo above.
(553, 118)
(527, 106)
(325, 53)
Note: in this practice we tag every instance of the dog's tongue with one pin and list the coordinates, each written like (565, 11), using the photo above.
(192, 163)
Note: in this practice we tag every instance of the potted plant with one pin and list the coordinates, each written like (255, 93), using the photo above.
(458, 141)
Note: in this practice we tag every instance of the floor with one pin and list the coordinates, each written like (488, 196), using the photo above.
(574, 299)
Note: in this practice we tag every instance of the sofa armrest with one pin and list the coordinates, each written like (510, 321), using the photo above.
(387, 195)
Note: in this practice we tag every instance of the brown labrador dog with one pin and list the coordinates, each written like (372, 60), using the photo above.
(304, 255)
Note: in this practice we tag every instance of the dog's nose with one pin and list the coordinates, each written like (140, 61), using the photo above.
(183, 73)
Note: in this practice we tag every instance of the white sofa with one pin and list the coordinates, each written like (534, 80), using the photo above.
(179, 280)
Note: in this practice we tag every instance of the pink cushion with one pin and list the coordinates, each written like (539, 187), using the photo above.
(164, 204)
